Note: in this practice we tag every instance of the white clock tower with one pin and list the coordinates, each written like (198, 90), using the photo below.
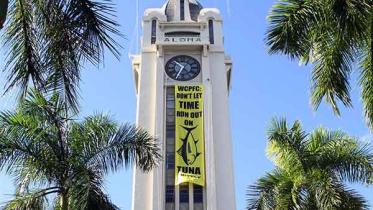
(183, 50)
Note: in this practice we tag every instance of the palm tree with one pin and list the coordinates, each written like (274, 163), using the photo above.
(3, 12)
(311, 170)
(333, 35)
(48, 42)
(50, 154)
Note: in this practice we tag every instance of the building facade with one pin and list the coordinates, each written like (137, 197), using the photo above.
(183, 45)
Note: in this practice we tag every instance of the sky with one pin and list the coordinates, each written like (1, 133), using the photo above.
(263, 86)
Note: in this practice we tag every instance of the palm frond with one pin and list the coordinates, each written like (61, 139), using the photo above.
(29, 176)
(110, 148)
(42, 147)
(352, 200)
(15, 145)
(86, 193)
(272, 191)
(50, 57)
(334, 195)
(19, 153)
(61, 56)
(286, 145)
(348, 159)
(311, 170)
(77, 30)
(341, 155)
(333, 60)
(290, 22)
(329, 34)
(94, 27)
(23, 59)
(42, 106)
(3, 12)
(261, 195)
(31, 138)
(350, 17)
(366, 78)
(326, 192)
(99, 200)
(30, 200)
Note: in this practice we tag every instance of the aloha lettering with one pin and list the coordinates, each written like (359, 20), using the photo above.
(182, 39)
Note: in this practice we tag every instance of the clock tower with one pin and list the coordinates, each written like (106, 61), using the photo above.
(182, 79)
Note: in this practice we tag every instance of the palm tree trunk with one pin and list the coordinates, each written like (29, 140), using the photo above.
(64, 201)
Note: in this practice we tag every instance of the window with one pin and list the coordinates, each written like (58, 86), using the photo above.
(171, 135)
(184, 193)
(184, 197)
(170, 149)
(182, 34)
(170, 194)
(170, 197)
(154, 31)
(198, 194)
(197, 197)
(170, 161)
(182, 10)
(170, 105)
(211, 32)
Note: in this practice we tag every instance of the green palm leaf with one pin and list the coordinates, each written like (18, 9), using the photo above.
(3, 12)
(23, 61)
(290, 22)
(50, 57)
(42, 147)
(366, 78)
(311, 170)
(333, 61)
(27, 201)
(330, 35)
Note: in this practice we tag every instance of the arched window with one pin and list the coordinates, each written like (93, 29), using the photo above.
(154, 31)
(211, 32)
(182, 10)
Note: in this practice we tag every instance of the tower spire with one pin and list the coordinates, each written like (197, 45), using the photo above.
(182, 10)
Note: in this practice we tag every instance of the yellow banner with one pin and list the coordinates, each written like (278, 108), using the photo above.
(190, 148)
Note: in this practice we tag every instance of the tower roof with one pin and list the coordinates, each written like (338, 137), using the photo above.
(176, 11)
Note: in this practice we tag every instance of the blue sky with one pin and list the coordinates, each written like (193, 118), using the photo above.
(264, 86)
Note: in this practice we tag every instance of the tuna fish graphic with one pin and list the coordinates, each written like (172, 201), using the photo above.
(189, 150)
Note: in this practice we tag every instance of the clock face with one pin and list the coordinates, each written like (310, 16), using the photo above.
(183, 68)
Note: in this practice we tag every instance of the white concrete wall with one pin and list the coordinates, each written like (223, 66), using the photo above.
(221, 134)
(149, 189)
(146, 99)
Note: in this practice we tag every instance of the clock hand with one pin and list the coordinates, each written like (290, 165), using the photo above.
(182, 68)
(178, 64)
